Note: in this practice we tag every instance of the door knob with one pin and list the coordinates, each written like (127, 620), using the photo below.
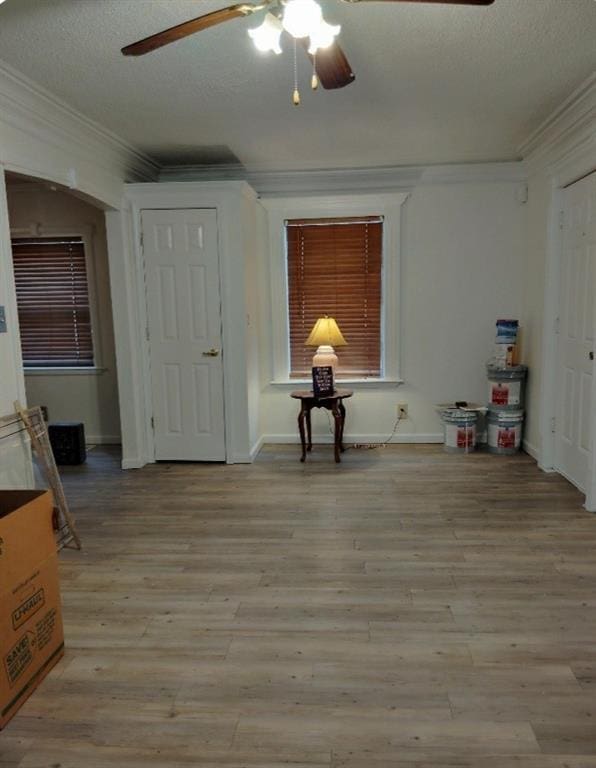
(211, 353)
(591, 355)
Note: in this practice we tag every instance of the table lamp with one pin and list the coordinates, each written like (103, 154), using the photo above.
(325, 335)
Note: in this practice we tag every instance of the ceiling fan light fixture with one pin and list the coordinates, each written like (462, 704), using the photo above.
(266, 37)
(301, 17)
(323, 36)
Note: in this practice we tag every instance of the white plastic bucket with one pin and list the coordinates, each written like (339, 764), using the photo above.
(460, 430)
(505, 431)
(506, 387)
(504, 356)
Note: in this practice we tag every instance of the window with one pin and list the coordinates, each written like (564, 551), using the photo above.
(334, 268)
(382, 208)
(53, 302)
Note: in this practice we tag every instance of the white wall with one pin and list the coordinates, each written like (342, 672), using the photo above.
(12, 383)
(462, 257)
(539, 202)
(561, 151)
(42, 137)
(90, 397)
(252, 219)
(234, 203)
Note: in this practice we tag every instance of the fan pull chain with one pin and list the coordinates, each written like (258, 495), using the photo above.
(314, 81)
(296, 94)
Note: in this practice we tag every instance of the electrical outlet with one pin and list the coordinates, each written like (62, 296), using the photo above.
(402, 410)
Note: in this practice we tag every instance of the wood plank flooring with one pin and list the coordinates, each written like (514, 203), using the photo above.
(406, 608)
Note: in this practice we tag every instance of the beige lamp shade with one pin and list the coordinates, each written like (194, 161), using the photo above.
(324, 336)
(325, 332)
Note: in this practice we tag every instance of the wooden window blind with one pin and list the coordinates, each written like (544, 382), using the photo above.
(53, 302)
(334, 268)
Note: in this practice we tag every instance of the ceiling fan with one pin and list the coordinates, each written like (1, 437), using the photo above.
(301, 19)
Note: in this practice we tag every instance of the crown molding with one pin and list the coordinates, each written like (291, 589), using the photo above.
(200, 172)
(33, 121)
(187, 193)
(269, 183)
(502, 171)
(327, 181)
(569, 128)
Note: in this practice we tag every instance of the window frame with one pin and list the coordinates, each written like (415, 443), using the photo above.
(86, 233)
(386, 205)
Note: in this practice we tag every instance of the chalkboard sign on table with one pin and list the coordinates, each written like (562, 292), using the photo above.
(322, 381)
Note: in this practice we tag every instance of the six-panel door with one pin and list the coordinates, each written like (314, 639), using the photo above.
(573, 424)
(184, 315)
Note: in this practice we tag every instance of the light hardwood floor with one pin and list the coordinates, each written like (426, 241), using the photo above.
(406, 608)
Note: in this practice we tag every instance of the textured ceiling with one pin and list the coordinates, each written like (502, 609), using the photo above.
(433, 83)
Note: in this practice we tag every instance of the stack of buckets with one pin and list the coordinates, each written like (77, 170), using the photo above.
(506, 390)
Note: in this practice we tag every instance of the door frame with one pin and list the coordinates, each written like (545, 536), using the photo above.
(572, 168)
(232, 201)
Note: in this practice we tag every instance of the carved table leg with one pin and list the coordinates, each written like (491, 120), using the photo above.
(337, 418)
(301, 417)
(342, 411)
(308, 431)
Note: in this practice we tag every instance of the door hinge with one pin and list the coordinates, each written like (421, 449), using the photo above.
(557, 324)
(561, 219)
(147, 332)
(553, 424)
(141, 239)
(153, 423)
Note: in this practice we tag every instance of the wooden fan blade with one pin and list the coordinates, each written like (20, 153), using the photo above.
(442, 2)
(188, 28)
(331, 65)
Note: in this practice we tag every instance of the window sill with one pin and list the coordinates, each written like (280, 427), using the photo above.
(358, 383)
(94, 371)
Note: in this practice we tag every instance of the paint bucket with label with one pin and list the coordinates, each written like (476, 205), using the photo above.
(505, 431)
(506, 331)
(460, 430)
(506, 387)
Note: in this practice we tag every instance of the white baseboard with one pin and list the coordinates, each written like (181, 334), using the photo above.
(548, 470)
(254, 451)
(531, 450)
(293, 438)
(132, 463)
(239, 458)
(103, 439)
(590, 503)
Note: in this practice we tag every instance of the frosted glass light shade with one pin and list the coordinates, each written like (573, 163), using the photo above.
(266, 37)
(323, 36)
(301, 17)
(325, 333)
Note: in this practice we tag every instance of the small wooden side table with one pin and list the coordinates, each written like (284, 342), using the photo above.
(333, 403)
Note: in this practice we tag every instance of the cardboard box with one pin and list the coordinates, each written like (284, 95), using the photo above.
(31, 635)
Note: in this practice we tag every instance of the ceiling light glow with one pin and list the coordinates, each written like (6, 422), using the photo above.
(302, 17)
(323, 36)
(266, 37)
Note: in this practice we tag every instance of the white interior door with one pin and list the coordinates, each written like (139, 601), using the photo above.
(573, 424)
(184, 316)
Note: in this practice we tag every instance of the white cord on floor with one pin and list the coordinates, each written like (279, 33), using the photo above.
(392, 435)
(369, 445)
